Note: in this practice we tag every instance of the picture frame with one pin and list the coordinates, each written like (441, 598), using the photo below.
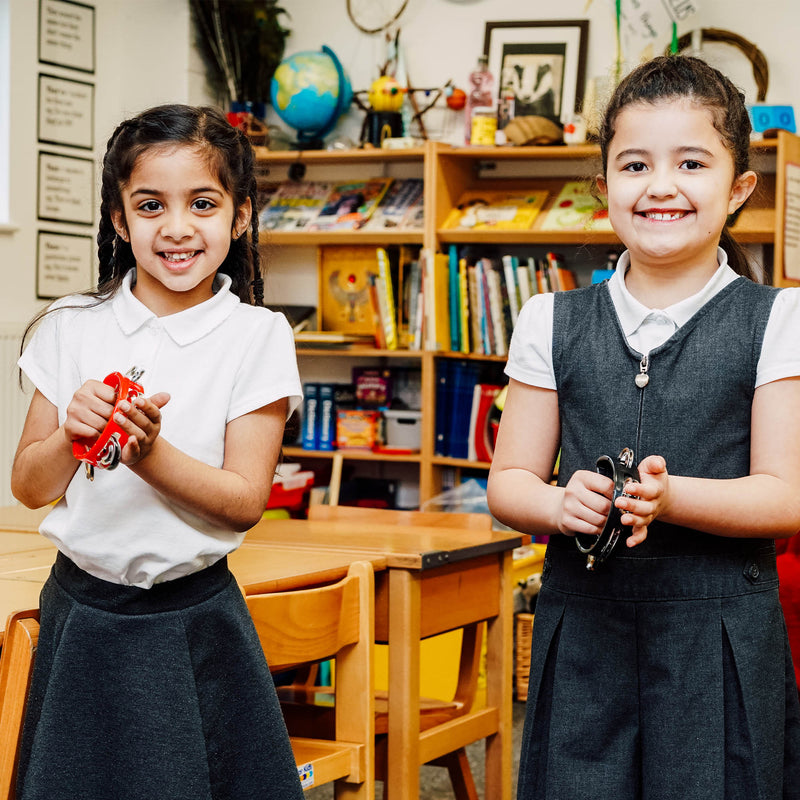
(66, 112)
(65, 188)
(67, 34)
(64, 263)
(539, 67)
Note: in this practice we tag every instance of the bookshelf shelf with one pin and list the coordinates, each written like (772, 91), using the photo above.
(449, 172)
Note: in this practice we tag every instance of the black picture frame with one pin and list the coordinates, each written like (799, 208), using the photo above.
(65, 112)
(539, 66)
(65, 188)
(67, 34)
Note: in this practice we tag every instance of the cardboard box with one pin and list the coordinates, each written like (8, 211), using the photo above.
(356, 430)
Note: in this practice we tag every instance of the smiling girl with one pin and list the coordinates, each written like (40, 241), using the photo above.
(149, 678)
(665, 672)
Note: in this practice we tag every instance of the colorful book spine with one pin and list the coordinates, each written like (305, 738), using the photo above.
(326, 418)
(464, 310)
(309, 438)
(386, 300)
(510, 264)
(453, 298)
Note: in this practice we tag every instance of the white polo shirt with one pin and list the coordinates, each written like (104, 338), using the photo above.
(530, 356)
(218, 360)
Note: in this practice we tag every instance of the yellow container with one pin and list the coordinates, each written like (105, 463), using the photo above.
(484, 125)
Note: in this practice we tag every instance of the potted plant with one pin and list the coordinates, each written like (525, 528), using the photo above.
(241, 43)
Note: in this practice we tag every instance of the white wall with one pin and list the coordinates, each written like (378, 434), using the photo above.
(443, 38)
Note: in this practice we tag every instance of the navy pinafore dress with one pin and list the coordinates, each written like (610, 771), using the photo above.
(666, 672)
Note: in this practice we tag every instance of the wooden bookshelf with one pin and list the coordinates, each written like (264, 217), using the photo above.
(448, 173)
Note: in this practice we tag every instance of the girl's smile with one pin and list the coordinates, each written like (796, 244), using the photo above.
(179, 220)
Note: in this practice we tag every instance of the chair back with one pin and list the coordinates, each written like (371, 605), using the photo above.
(306, 625)
(16, 665)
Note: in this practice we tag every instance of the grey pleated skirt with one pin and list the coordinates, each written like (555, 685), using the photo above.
(158, 693)
(661, 677)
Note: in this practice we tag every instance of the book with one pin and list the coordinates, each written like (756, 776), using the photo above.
(375, 306)
(309, 439)
(496, 313)
(476, 309)
(561, 279)
(415, 312)
(326, 418)
(510, 266)
(452, 296)
(576, 209)
(464, 376)
(464, 310)
(349, 205)
(386, 304)
(435, 300)
(523, 283)
(395, 206)
(499, 210)
(481, 438)
(294, 205)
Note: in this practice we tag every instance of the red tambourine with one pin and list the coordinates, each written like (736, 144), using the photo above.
(106, 451)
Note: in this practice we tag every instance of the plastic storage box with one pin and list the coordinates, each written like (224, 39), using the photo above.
(403, 429)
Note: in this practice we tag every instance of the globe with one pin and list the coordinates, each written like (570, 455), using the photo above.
(309, 92)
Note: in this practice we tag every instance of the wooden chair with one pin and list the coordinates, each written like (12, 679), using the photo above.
(318, 623)
(434, 712)
(16, 665)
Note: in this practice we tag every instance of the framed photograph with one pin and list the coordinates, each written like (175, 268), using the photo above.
(66, 188)
(66, 34)
(66, 112)
(64, 263)
(539, 67)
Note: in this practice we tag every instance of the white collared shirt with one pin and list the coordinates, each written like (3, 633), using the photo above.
(530, 358)
(218, 360)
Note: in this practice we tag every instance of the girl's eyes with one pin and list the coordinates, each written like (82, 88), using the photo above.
(636, 166)
(690, 164)
(202, 204)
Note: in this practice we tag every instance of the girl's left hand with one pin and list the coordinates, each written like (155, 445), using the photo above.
(650, 498)
(141, 420)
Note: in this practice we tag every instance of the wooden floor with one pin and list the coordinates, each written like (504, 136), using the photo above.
(434, 783)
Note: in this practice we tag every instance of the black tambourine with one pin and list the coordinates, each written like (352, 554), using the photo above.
(622, 471)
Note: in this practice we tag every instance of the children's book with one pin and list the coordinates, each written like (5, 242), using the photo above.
(496, 210)
(576, 209)
(350, 205)
(294, 205)
(396, 204)
(481, 439)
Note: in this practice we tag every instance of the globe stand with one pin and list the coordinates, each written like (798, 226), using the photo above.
(308, 141)
(380, 125)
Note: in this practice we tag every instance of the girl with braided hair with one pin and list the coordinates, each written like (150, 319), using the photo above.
(149, 678)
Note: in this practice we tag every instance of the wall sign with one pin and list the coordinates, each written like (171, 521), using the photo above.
(63, 264)
(66, 188)
(66, 34)
(66, 112)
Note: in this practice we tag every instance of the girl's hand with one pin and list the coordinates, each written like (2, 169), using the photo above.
(651, 497)
(586, 503)
(141, 420)
(89, 411)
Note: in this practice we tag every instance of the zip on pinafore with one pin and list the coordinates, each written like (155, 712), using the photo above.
(642, 379)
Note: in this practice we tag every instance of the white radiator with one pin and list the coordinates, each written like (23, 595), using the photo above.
(13, 407)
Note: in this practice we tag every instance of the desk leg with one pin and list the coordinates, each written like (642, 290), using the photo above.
(404, 685)
(499, 671)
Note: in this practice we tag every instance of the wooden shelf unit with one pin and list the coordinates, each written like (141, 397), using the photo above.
(448, 172)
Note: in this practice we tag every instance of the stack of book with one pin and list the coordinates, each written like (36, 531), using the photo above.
(372, 204)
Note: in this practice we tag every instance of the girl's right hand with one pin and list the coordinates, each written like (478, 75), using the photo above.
(89, 410)
(586, 503)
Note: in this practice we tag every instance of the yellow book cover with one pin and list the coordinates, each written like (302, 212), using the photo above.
(496, 210)
(576, 209)
(386, 304)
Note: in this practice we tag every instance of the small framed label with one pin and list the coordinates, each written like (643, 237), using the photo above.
(66, 112)
(66, 189)
(63, 264)
(66, 34)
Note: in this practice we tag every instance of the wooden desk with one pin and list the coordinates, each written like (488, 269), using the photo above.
(437, 579)
(256, 569)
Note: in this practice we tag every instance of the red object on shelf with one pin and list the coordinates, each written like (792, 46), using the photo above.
(288, 492)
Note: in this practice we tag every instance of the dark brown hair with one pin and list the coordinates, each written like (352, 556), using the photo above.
(673, 77)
